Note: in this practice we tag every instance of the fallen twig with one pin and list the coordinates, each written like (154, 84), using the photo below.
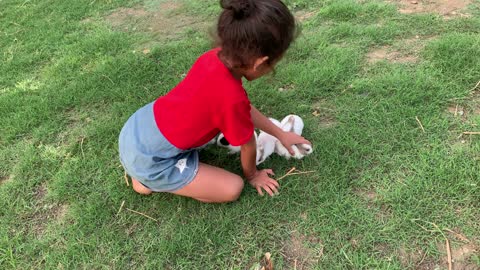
(475, 87)
(471, 133)
(420, 123)
(268, 261)
(437, 229)
(291, 172)
(457, 235)
(449, 254)
(287, 174)
(121, 207)
(297, 173)
(142, 214)
(126, 179)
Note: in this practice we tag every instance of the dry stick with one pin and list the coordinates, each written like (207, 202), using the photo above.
(420, 123)
(457, 235)
(475, 87)
(449, 254)
(297, 173)
(142, 214)
(126, 179)
(287, 174)
(471, 133)
(456, 109)
(300, 172)
(121, 207)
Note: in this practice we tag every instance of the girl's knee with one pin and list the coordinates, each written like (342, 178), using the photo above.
(235, 187)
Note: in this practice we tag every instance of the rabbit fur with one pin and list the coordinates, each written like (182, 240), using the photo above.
(293, 123)
(268, 144)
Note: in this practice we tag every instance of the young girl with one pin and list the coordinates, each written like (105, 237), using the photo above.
(158, 142)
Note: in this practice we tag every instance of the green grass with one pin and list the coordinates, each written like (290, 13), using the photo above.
(69, 80)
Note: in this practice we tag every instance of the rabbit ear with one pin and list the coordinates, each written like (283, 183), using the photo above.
(276, 122)
(287, 124)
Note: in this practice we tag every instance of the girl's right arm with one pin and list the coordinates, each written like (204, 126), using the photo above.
(258, 179)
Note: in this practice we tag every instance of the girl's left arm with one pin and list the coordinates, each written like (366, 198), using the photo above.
(288, 139)
(261, 122)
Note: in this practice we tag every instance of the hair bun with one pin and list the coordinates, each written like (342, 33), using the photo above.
(241, 8)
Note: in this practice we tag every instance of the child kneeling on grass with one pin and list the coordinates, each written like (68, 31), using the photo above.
(158, 142)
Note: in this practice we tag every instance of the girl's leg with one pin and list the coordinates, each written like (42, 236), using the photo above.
(139, 188)
(213, 185)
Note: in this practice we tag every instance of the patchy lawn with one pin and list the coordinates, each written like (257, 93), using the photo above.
(388, 91)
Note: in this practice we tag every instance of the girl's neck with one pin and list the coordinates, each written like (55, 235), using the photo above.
(237, 74)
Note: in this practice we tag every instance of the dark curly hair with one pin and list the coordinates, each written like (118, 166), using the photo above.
(248, 29)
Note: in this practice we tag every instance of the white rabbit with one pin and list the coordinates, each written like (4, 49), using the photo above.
(212, 141)
(266, 144)
(293, 123)
(222, 142)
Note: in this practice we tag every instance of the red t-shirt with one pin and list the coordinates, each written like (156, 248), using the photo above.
(208, 101)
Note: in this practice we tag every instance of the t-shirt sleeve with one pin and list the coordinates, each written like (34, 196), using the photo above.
(236, 123)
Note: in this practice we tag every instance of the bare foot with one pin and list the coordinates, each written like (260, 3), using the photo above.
(139, 188)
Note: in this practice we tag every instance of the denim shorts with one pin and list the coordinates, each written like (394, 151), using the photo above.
(150, 158)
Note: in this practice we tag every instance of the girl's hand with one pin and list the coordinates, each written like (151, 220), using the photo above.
(261, 180)
(289, 138)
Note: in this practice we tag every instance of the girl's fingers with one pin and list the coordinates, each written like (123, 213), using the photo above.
(275, 183)
(269, 171)
(268, 190)
(305, 141)
(259, 190)
(273, 188)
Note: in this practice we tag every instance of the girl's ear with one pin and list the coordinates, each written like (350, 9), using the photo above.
(259, 62)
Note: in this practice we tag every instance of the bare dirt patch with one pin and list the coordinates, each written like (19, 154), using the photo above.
(325, 112)
(369, 195)
(466, 110)
(445, 8)
(461, 255)
(303, 15)
(386, 53)
(40, 192)
(472, 106)
(409, 258)
(401, 51)
(5, 179)
(412, 258)
(44, 212)
(167, 21)
(418, 259)
(301, 252)
(369, 198)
